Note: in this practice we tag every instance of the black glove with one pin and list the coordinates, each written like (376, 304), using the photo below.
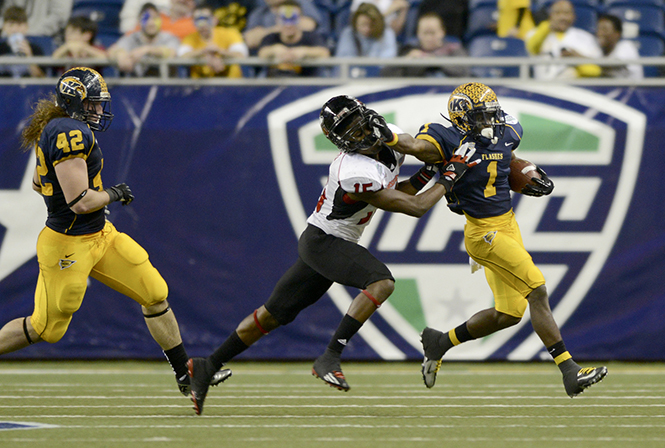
(543, 187)
(423, 176)
(452, 170)
(380, 128)
(120, 192)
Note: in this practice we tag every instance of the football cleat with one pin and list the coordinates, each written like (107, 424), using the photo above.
(327, 367)
(202, 375)
(429, 337)
(184, 384)
(576, 383)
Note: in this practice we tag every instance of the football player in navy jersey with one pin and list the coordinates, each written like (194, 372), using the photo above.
(491, 235)
(78, 241)
(362, 178)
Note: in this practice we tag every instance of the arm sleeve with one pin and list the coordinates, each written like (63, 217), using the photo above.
(534, 41)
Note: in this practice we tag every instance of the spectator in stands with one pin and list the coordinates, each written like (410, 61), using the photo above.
(212, 44)
(232, 13)
(453, 12)
(45, 17)
(263, 20)
(130, 13)
(291, 44)
(608, 33)
(557, 38)
(80, 34)
(134, 51)
(177, 19)
(515, 18)
(394, 11)
(14, 29)
(431, 34)
(367, 35)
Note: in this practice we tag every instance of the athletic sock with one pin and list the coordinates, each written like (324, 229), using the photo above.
(177, 357)
(345, 331)
(229, 349)
(454, 337)
(562, 358)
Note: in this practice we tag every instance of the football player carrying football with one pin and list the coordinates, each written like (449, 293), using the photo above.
(78, 241)
(491, 234)
(362, 178)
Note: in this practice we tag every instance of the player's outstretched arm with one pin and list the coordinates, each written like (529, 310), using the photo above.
(421, 149)
(400, 202)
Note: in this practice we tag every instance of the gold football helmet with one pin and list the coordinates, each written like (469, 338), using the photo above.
(474, 109)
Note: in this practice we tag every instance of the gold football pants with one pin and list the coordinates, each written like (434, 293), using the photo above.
(496, 243)
(66, 261)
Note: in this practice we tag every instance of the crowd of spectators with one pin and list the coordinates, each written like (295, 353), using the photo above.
(290, 32)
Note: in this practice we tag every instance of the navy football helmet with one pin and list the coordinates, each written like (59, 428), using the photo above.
(474, 109)
(79, 91)
(345, 121)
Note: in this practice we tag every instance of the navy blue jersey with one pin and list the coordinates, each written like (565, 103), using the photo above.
(63, 139)
(483, 191)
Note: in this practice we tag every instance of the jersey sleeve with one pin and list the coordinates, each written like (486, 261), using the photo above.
(513, 129)
(445, 139)
(69, 138)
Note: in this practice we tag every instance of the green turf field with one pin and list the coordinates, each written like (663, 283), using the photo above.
(136, 404)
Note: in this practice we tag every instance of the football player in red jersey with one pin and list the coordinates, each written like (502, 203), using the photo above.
(362, 178)
(78, 241)
(491, 234)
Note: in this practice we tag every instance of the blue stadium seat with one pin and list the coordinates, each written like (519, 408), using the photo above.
(44, 42)
(643, 19)
(107, 15)
(586, 18)
(473, 4)
(108, 38)
(411, 25)
(612, 3)
(492, 46)
(482, 21)
(651, 45)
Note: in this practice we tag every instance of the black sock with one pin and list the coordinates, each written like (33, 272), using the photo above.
(177, 357)
(562, 358)
(229, 349)
(454, 337)
(345, 331)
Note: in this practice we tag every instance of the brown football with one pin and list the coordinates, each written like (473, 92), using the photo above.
(521, 173)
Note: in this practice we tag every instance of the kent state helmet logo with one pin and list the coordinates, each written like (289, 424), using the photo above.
(570, 233)
(71, 86)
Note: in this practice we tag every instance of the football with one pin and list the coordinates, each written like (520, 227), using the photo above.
(521, 173)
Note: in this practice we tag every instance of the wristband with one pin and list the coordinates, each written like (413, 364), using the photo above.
(394, 141)
(421, 178)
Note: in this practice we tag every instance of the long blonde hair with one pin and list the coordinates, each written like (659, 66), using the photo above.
(44, 111)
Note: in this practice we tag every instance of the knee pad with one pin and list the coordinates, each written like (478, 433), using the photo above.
(71, 297)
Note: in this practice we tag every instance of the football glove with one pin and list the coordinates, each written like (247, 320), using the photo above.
(543, 187)
(120, 192)
(423, 176)
(452, 170)
(380, 128)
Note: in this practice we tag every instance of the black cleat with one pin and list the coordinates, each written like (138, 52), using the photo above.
(184, 383)
(577, 382)
(327, 367)
(202, 375)
(430, 337)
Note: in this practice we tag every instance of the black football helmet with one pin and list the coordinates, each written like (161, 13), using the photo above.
(76, 89)
(474, 109)
(346, 123)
